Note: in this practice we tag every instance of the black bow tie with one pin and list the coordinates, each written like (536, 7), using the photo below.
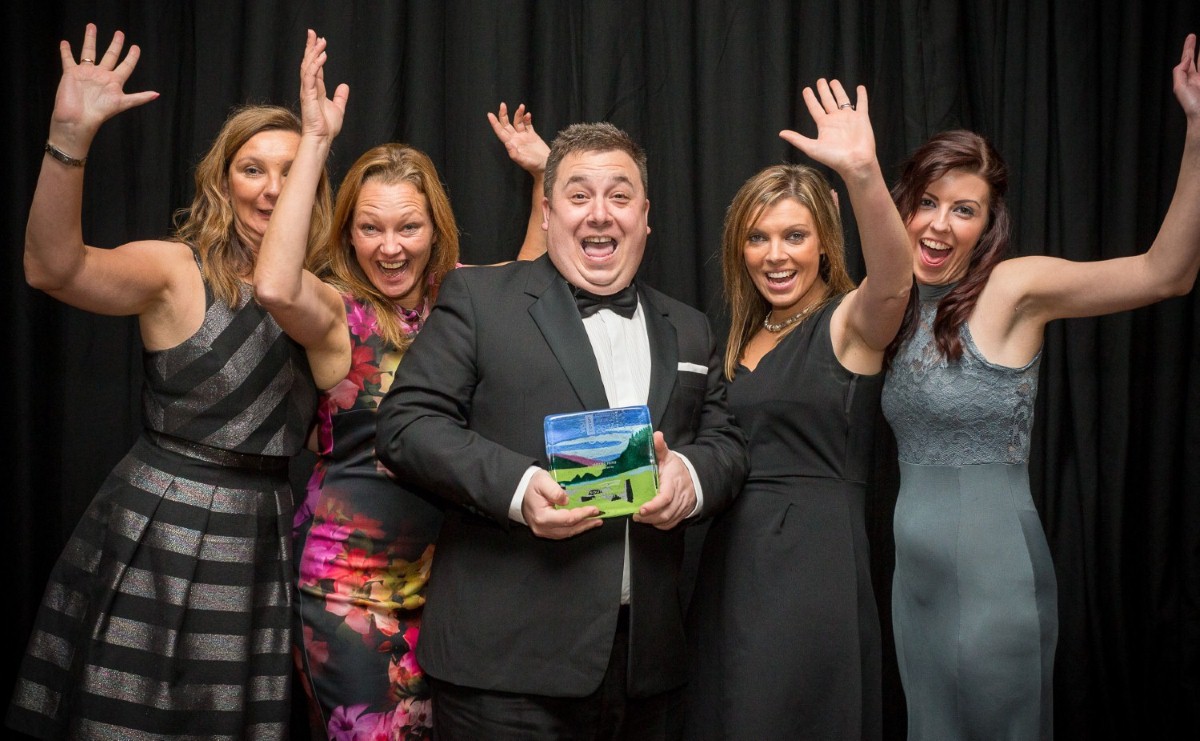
(624, 301)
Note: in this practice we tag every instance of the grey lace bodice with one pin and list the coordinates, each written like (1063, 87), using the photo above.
(957, 413)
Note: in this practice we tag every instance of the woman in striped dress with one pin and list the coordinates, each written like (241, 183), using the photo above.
(169, 612)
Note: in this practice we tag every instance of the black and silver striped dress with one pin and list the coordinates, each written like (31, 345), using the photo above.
(168, 613)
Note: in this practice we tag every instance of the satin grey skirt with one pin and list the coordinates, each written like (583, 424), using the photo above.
(974, 604)
(168, 613)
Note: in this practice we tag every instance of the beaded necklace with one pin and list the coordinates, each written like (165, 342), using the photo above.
(780, 326)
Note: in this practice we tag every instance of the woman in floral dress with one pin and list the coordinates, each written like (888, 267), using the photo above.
(363, 542)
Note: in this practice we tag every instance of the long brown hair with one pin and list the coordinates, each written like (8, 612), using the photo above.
(971, 153)
(747, 306)
(336, 262)
(208, 224)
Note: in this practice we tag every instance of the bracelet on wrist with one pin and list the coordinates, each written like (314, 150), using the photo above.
(63, 157)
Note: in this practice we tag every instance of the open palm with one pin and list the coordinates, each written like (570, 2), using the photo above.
(845, 140)
(93, 90)
(320, 116)
(1187, 79)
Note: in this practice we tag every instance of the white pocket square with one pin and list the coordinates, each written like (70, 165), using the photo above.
(693, 368)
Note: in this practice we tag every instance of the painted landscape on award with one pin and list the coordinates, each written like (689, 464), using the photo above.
(604, 458)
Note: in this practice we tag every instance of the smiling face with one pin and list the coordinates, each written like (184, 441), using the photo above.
(393, 235)
(596, 220)
(946, 225)
(782, 255)
(255, 177)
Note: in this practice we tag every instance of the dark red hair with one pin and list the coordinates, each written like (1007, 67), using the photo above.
(968, 152)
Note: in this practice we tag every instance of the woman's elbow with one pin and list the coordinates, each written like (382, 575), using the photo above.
(1184, 285)
(1178, 285)
(273, 294)
(896, 300)
(40, 276)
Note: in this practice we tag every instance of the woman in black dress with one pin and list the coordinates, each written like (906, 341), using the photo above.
(784, 629)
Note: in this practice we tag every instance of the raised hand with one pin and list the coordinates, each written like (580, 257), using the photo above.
(529, 151)
(91, 91)
(524, 145)
(676, 496)
(320, 116)
(1187, 80)
(845, 140)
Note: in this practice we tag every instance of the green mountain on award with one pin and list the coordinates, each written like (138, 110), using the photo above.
(604, 458)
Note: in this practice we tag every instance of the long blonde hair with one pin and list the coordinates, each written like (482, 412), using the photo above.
(747, 306)
(208, 224)
(337, 263)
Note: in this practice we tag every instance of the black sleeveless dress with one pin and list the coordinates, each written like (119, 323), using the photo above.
(783, 625)
(169, 611)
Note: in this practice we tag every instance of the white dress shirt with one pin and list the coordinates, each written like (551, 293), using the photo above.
(622, 350)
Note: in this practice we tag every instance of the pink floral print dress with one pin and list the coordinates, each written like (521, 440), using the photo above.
(364, 545)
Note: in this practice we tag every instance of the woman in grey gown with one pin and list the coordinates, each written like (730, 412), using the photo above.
(973, 600)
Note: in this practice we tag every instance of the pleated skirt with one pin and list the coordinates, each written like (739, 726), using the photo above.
(168, 613)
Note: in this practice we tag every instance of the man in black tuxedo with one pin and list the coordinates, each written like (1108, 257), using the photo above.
(541, 622)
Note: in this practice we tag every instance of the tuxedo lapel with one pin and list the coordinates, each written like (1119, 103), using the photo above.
(556, 316)
(664, 357)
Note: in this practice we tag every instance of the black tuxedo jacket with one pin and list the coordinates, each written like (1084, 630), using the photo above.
(507, 610)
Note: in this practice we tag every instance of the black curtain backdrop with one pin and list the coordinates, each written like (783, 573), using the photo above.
(1076, 95)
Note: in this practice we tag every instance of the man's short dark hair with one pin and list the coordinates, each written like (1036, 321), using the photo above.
(591, 137)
